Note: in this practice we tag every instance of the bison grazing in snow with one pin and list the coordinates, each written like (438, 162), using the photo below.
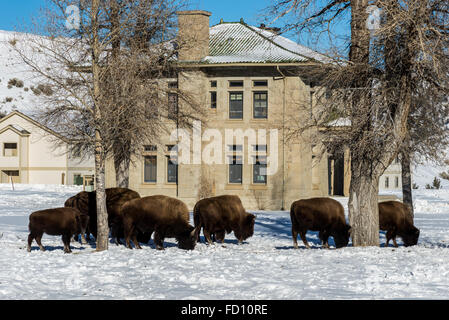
(394, 218)
(319, 214)
(166, 216)
(223, 214)
(58, 221)
(86, 202)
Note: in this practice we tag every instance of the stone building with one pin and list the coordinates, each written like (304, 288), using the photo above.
(250, 80)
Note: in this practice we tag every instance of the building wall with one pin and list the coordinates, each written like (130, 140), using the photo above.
(302, 171)
(393, 175)
(40, 159)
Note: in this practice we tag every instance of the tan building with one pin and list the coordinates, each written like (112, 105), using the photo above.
(249, 79)
(28, 154)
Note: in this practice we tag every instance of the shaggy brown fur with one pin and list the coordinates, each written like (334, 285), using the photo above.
(86, 202)
(166, 216)
(319, 214)
(58, 221)
(220, 215)
(394, 218)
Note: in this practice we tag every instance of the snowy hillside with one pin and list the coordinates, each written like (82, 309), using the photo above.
(18, 88)
(265, 267)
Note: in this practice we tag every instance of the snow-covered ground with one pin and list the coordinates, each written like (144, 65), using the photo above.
(265, 267)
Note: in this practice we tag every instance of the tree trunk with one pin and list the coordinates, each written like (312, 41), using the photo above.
(406, 182)
(102, 214)
(364, 186)
(363, 206)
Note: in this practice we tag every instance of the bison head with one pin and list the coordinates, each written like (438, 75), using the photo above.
(411, 237)
(187, 240)
(246, 228)
(341, 238)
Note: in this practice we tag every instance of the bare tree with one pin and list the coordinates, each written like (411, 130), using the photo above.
(373, 91)
(108, 98)
(142, 79)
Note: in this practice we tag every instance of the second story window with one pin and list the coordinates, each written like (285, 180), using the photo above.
(236, 105)
(10, 149)
(261, 105)
(213, 99)
(236, 83)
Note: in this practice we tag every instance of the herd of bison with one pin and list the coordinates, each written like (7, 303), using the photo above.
(135, 219)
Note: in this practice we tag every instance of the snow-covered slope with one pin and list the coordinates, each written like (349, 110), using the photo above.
(15, 95)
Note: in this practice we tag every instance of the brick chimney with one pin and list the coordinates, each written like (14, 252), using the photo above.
(193, 35)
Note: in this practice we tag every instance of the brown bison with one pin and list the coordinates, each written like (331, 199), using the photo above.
(166, 216)
(86, 202)
(319, 214)
(394, 218)
(58, 221)
(220, 215)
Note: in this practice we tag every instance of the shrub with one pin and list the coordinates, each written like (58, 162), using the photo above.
(15, 82)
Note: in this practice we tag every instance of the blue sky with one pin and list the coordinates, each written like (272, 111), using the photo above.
(14, 14)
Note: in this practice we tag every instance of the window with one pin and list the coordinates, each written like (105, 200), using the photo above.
(173, 84)
(172, 106)
(235, 83)
(260, 83)
(10, 149)
(235, 169)
(260, 105)
(260, 170)
(213, 84)
(150, 169)
(150, 148)
(260, 148)
(396, 182)
(172, 170)
(387, 182)
(171, 147)
(213, 99)
(235, 147)
(77, 179)
(236, 105)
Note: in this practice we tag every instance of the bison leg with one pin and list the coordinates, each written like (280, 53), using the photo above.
(130, 232)
(207, 236)
(66, 241)
(38, 240)
(302, 233)
(394, 241)
(324, 236)
(114, 234)
(159, 241)
(136, 243)
(30, 240)
(391, 234)
(295, 238)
